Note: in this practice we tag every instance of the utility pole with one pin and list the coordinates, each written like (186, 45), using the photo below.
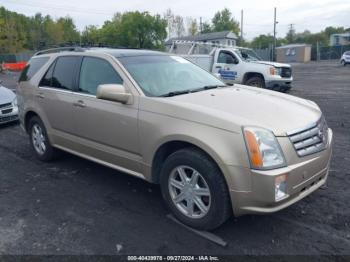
(200, 25)
(241, 26)
(291, 32)
(274, 36)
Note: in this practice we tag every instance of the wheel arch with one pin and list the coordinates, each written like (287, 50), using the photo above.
(249, 75)
(168, 147)
(28, 115)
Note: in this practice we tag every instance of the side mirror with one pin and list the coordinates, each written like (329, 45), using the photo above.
(114, 92)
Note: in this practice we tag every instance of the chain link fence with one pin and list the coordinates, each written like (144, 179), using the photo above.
(14, 58)
(328, 52)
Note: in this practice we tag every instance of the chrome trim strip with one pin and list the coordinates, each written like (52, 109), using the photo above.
(56, 89)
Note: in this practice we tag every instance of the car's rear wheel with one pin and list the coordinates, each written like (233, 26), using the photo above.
(39, 140)
(195, 190)
(256, 81)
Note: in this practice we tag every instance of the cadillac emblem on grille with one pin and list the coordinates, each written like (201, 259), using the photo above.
(321, 135)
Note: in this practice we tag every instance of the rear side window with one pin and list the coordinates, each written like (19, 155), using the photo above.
(65, 71)
(32, 68)
(95, 72)
(47, 79)
(62, 73)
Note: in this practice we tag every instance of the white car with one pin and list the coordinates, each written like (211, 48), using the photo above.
(345, 59)
(8, 105)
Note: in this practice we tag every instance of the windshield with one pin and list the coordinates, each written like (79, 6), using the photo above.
(158, 75)
(248, 54)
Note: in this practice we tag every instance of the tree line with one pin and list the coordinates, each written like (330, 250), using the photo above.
(130, 29)
(321, 38)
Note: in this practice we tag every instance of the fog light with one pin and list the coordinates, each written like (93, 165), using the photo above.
(280, 187)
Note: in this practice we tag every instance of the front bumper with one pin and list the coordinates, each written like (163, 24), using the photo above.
(279, 85)
(8, 115)
(303, 178)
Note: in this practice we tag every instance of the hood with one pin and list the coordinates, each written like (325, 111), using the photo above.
(6, 95)
(271, 63)
(233, 107)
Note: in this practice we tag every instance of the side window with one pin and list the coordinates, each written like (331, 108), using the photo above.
(64, 72)
(32, 68)
(95, 72)
(47, 79)
(227, 58)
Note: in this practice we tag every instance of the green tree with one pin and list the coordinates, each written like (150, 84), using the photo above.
(193, 27)
(67, 27)
(223, 20)
(206, 28)
(90, 36)
(135, 29)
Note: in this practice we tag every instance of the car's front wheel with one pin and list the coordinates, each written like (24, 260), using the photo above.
(195, 190)
(343, 63)
(39, 140)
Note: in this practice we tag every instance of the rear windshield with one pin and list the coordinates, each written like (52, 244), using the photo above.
(32, 68)
(160, 74)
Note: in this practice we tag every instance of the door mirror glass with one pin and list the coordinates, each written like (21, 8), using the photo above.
(114, 92)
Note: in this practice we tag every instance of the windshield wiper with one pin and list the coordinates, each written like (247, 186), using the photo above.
(212, 87)
(207, 88)
(175, 93)
(188, 91)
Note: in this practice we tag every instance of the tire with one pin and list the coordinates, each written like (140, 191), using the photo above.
(343, 63)
(256, 81)
(37, 129)
(210, 179)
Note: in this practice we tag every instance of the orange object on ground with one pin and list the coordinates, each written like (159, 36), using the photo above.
(19, 66)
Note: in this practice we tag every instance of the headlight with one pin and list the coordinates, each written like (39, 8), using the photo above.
(263, 149)
(14, 102)
(275, 71)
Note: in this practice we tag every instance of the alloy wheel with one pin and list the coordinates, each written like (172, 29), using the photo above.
(189, 192)
(38, 139)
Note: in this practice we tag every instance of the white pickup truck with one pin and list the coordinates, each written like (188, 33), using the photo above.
(237, 65)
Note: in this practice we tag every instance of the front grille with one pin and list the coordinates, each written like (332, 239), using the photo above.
(286, 72)
(6, 111)
(5, 105)
(8, 119)
(310, 140)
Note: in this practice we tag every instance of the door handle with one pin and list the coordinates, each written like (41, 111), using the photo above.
(79, 103)
(218, 67)
(40, 95)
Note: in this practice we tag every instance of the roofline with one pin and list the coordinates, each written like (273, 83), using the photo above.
(60, 49)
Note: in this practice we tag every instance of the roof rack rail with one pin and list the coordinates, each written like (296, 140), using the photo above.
(60, 49)
(194, 44)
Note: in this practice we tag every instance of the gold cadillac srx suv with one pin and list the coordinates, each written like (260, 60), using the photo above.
(215, 150)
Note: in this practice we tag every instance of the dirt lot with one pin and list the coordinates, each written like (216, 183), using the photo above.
(73, 206)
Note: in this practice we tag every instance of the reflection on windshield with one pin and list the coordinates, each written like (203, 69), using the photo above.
(248, 55)
(158, 75)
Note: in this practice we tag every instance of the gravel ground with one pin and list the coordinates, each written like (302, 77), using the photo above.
(73, 206)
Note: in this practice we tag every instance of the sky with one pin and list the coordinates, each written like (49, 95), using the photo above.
(258, 14)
